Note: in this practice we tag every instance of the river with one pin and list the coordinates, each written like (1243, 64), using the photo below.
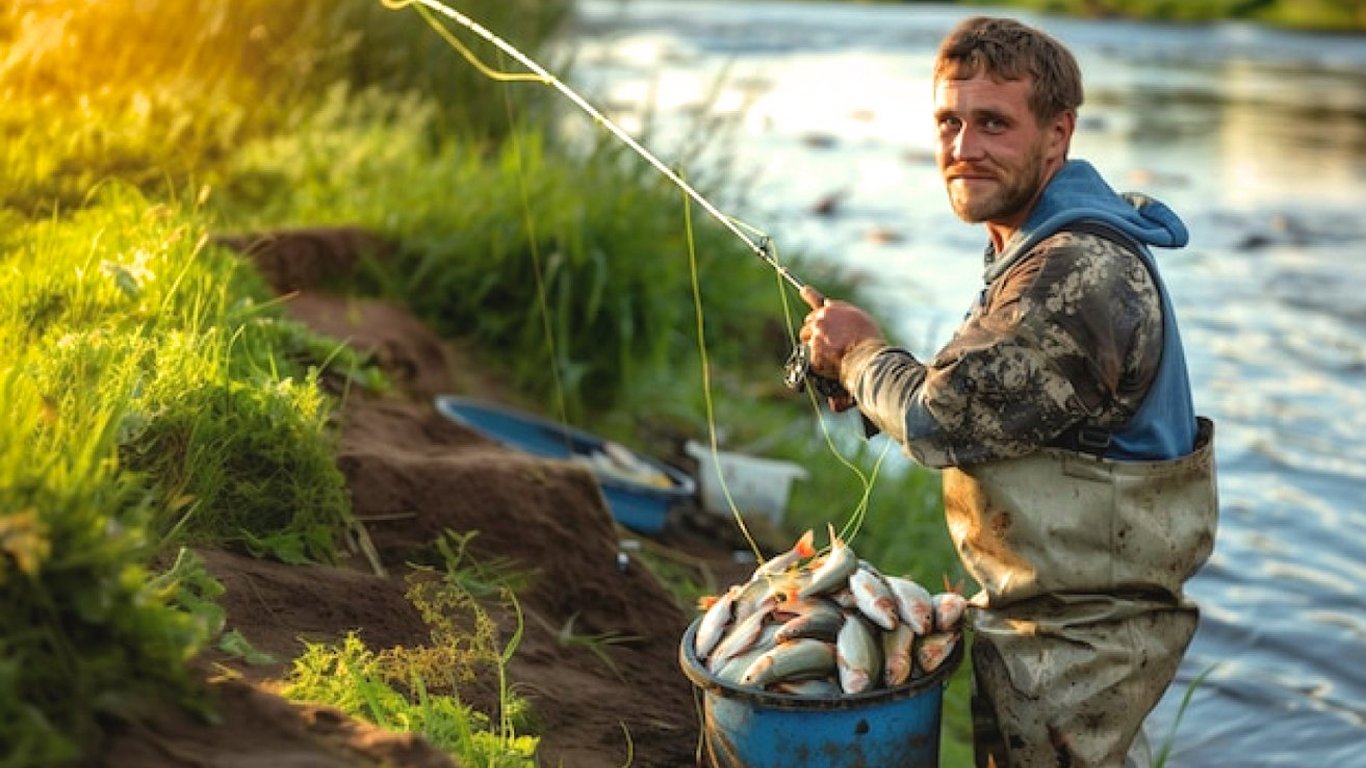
(1256, 137)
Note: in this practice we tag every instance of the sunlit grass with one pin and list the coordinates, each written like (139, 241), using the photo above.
(148, 400)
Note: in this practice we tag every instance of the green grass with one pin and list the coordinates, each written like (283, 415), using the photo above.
(1309, 15)
(150, 400)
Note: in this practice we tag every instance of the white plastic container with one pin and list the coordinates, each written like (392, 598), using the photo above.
(758, 486)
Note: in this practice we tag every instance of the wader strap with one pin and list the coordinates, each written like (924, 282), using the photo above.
(1092, 439)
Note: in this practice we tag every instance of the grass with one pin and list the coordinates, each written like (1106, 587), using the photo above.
(150, 401)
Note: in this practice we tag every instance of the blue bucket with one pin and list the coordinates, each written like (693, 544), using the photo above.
(750, 728)
(639, 506)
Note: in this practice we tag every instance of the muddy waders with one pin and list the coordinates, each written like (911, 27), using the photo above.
(1082, 621)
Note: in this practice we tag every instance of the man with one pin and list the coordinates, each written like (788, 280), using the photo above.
(1078, 482)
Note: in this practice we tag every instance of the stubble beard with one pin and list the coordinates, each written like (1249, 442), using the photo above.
(1013, 193)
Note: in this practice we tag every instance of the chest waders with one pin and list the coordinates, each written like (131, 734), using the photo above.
(1082, 620)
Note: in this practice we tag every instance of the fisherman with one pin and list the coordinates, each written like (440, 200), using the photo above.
(1078, 482)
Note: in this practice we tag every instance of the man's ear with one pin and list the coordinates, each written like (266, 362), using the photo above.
(1060, 131)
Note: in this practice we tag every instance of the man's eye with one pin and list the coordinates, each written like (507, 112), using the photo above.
(994, 125)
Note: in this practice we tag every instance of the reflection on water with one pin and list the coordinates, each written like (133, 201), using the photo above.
(1257, 137)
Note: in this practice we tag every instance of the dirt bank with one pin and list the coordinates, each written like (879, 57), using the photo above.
(413, 474)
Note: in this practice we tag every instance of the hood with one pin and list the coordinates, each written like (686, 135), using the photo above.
(1078, 192)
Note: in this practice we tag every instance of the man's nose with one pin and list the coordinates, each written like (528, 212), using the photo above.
(967, 145)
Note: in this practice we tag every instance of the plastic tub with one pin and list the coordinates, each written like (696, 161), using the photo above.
(888, 728)
(757, 485)
(639, 491)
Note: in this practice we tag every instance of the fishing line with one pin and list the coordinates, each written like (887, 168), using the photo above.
(761, 249)
(760, 244)
(706, 381)
(542, 304)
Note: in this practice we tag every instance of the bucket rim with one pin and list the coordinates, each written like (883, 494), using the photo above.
(704, 679)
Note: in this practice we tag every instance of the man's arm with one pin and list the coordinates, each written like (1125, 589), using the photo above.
(1067, 334)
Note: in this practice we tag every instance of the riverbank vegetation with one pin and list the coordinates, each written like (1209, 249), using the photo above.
(1307, 15)
(156, 397)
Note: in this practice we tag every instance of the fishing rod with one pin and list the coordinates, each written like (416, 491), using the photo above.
(797, 370)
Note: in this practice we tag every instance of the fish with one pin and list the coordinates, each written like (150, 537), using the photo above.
(826, 624)
(743, 636)
(914, 604)
(858, 656)
(844, 598)
(715, 620)
(873, 597)
(822, 619)
(734, 668)
(948, 610)
(804, 547)
(755, 595)
(801, 657)
(815, 687)
(896, 654)
(933, 649)
(834, 571)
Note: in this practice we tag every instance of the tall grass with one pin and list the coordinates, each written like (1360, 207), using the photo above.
(489, 244)
(142, 406)
(151, 90)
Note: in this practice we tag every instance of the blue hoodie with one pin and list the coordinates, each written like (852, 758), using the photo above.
(1164, 425)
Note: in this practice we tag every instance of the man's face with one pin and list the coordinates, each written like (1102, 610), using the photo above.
(993, 154)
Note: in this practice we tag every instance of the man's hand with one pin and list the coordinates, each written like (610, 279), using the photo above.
(829, 331)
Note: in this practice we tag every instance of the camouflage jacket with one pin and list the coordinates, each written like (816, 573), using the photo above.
(1071, 331)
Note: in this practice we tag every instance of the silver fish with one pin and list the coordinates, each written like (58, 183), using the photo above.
(896, 654)
(858, 655)
(816, 687)
(734, 668)
(742, 637)
(759, 595)
(844, 598)
(948, 610)
(804, 548)
(933, 649)
(873, 597)
(833, 573)
(914, 604)
(822, 620)
(801, 657)
(714, 622)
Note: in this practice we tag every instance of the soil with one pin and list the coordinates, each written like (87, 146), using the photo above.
(413, 474)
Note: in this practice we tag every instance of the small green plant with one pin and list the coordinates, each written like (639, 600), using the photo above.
(417, 689)
(596, 644)
(1165, 752)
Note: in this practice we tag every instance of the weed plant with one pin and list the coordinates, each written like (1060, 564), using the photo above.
(417, 690)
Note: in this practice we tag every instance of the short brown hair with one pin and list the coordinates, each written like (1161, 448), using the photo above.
(1005, 49)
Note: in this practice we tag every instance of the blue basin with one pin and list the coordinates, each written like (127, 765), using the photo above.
(638, 505)
(751, 728)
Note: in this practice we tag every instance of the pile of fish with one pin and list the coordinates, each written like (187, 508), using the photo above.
(826, 626)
